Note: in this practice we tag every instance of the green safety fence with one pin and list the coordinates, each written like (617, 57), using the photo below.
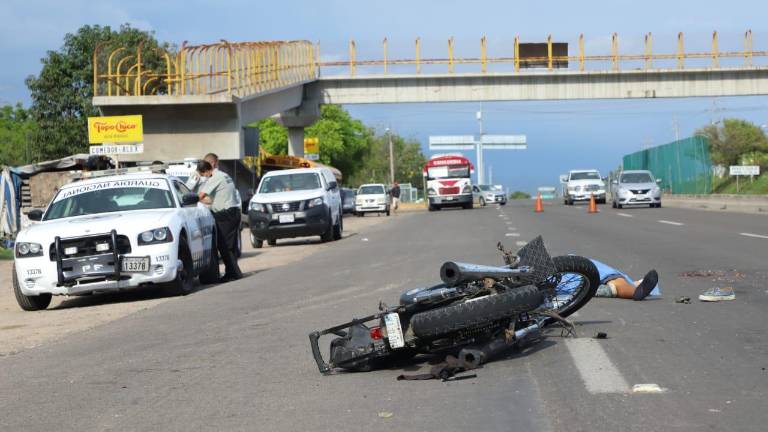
(683, 166)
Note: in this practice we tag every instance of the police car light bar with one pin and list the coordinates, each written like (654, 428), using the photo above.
(82, 175)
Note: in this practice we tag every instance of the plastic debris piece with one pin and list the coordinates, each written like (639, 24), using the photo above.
(717, 294)
(385, 414)
(683, 299)
(601, 335)
(647, 388)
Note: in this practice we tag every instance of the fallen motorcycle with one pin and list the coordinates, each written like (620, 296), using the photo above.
(479, 310)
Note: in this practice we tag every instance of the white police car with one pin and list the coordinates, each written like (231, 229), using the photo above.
(115, 232)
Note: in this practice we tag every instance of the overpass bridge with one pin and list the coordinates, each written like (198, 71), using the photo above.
(203, 97)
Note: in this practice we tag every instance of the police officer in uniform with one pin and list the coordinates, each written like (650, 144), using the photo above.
(218, 191)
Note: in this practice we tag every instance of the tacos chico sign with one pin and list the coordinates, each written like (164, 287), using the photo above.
(115, 129)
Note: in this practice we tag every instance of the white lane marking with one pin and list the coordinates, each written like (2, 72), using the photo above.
(671, 222)
(508, 222)
(597, 371)
(512, 228)
(522, 243)
(624, 214)
(754, 235)
(513, 234)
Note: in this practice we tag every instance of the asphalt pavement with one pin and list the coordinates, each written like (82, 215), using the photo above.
(237, 357)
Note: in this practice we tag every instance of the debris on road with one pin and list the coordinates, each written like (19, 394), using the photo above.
(648, 388)
(601, 335)
(385, 414)
(683, 299)
(718, 294)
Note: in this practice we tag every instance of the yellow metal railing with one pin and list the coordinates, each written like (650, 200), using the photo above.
(222, 68)
(648, 58)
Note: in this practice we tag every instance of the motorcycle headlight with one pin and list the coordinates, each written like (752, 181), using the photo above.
(258, 207)
(27, 250)
(156, 236)
(314, 202)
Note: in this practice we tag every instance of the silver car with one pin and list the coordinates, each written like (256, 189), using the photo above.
(637, 187)
(487, 194)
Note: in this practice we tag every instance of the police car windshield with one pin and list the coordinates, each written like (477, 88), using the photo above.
(289, 182)
(109, 197)
(371, 190)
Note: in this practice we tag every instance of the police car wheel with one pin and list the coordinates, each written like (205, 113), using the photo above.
(29, 303)
(184, 282)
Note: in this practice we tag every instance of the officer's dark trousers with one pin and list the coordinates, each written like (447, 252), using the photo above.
(228, 228)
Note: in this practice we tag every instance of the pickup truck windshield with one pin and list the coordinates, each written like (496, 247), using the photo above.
(591, 175)
(290, 182)
(371, 190)
(95, 198)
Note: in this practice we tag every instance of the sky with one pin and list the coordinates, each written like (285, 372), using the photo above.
(561, 135)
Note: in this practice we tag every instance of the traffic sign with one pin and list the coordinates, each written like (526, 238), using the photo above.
(745, 170)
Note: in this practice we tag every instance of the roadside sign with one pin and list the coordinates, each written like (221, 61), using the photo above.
(312, 148)
(117, 149)
(744, 170)
(115, 129)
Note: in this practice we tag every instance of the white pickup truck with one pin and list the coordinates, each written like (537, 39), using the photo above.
(580, 185)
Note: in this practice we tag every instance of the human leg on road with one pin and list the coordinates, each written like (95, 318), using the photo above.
(227, 223)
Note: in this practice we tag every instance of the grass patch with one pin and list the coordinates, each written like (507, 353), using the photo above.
(727, 185)
(6, 254)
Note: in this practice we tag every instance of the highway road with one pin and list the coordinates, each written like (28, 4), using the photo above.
(237, 357)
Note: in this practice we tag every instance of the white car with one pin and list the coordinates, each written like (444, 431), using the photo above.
(581, 185)
(372, 198)
(296, 203)
(115, 232)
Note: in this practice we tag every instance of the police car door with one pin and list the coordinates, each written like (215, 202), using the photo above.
(197, 228)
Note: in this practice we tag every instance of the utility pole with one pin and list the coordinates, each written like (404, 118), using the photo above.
(480, 168)
(391, 159)
(490, 174)
(676, 125)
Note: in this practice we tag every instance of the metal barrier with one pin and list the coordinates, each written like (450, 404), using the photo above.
(238, 69)
(581, 59)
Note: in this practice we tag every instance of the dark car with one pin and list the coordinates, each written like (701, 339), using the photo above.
(348, 200)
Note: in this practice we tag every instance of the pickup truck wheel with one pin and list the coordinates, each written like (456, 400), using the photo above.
(256, 243)
(185, 276)
(328, 234)
(29, 303)
(211, 273)
(339, 228)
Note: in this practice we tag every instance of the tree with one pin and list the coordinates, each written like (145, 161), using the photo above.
(16, 130)
(732, 141)
(273, 137)
(374, 167)
(62, 92)
(343, 140)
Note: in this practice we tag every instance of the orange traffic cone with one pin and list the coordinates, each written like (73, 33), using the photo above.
(539, 204)
(592, 205)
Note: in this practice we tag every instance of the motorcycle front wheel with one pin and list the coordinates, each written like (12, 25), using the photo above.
(572, 286)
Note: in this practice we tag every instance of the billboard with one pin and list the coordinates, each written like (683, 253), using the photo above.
(115, 129)
(535, 55)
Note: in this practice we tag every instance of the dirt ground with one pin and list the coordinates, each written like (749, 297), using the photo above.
(20, 330)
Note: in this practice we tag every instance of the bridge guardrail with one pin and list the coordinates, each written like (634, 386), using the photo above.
(238, 69)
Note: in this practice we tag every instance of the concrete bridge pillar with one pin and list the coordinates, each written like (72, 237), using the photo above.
(296, 120)
(296, 141)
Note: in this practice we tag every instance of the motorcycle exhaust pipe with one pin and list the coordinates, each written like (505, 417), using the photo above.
(475, 356)
(456, 273)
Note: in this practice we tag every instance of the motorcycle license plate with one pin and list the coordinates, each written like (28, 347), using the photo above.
(394, 330)
(286, 218)
(135, 264)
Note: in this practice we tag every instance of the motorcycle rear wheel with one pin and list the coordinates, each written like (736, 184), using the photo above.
(475, 313)
(572, 286)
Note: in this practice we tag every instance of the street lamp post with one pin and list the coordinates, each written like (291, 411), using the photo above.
(391, 159)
